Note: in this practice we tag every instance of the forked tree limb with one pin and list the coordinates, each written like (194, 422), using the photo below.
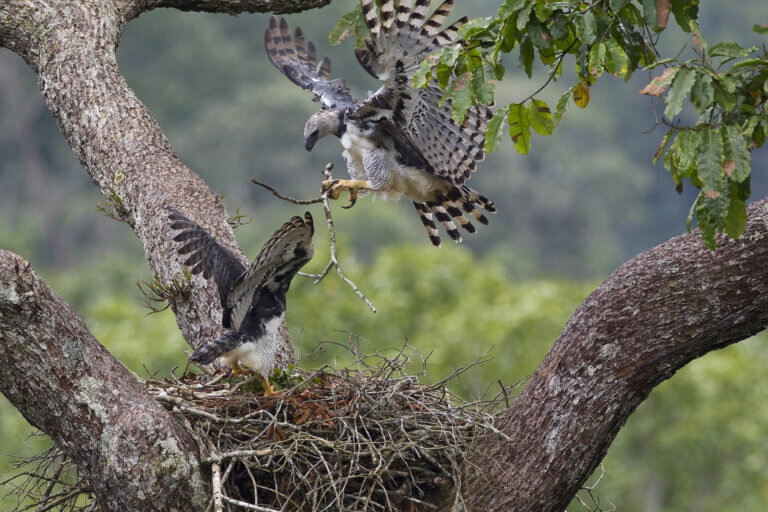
(656, 313)
(133, 453)
(71, 45)
(652, 316)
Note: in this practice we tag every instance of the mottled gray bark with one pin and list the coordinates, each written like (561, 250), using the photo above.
(651, 317)
(71, 45)
(656, 313)
(133, 453)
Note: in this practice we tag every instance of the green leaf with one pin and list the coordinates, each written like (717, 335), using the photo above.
(461, 98)
(448, 57)
(526, 56)
(685, 11)
(596, 56)
(509, 7)
(540, 117)
(522, 18)
(755, 62)
(711, 212)
(662, 62)
(588, 26)
(475, 27)
(422, 75)
(483, 90)
(697, 31)
(650, 15)
(662, 147)
(495, 130)
(736, 218)
(681, 86)
(728, 49)
(724, 95)
(582, 61)
(542, 10)
(559, 26)
(616, 61)
(508, 36)
(345, 27)
(760, 29)
(702, 92)
(758, 135)
(562, 105)
(519, 128)
(691, 211)
(617, 5)
(680, 158)
(737, 158)
(710, 159)
(538, 34)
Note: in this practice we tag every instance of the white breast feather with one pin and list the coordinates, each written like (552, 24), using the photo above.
(259, 355)
(388, 179)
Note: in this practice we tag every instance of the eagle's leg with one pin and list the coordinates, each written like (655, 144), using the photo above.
(268, 389)
(334, 188)
(237, 371)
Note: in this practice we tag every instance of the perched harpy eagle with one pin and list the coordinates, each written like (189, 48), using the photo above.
(399, 141)
(253, 298)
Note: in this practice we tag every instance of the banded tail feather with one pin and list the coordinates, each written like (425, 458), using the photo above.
(214, 349)
(445, 220)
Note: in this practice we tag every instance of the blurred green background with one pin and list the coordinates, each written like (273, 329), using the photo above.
(584, 201)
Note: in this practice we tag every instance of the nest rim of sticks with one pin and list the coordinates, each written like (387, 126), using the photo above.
(368, 437)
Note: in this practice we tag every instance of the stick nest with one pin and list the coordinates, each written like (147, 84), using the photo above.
(370, 437)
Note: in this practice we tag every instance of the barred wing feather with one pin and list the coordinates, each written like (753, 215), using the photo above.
(392, 55)
(288, 249)
(206, 255)
(295, 57)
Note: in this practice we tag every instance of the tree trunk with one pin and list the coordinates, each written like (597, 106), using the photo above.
(133, 453)
(656, 313)
(652, 316)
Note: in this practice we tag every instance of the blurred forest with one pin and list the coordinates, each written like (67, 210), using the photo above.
(585, 200)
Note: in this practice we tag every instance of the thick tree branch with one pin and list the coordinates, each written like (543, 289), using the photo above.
(71, 45)
(651, 317)
(239, 6)
(135, 455)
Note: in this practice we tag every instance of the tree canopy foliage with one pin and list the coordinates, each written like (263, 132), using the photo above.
(726, 84)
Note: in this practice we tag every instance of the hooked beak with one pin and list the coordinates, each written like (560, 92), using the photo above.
(310, 141)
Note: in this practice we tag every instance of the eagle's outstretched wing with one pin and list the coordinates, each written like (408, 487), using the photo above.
(206, 255)
(399, 41)
(295, 58)
(288, 249)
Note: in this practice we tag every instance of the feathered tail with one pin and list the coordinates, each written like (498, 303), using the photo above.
(448, 206)
(208, 353)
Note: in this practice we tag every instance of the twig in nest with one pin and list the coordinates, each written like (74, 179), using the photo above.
(334, 261)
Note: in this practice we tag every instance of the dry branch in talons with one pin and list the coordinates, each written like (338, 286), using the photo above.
(334, 260)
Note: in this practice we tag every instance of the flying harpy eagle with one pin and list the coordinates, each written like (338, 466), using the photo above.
(399, 141)
(253, 298)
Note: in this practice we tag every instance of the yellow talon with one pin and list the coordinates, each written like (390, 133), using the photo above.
(268, 389)
(333, 189)
(237, 371)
